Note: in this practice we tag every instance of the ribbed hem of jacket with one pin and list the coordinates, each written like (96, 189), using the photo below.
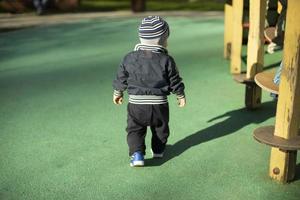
(118, 93)
(147, 99)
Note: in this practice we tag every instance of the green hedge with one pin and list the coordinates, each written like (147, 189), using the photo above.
(152, 5)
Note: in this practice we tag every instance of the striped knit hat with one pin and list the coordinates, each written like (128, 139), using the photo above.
(153, 27)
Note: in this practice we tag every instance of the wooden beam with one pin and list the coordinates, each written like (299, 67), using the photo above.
(255, 51)
(283, 163)
(237, 37)
(227, 28)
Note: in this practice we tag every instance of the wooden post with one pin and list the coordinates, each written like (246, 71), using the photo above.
(283, 163)
(255, 51)
(237, 37)
(228, 28)
(138, 5)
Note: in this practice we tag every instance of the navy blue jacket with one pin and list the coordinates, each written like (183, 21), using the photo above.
(145, 72)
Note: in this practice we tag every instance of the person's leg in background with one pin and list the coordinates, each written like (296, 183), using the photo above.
(41, 6)
(276, 80)
(271, 14)
(277, 41)
(280, 26)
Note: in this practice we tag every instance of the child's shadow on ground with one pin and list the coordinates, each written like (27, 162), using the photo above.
(236, 119)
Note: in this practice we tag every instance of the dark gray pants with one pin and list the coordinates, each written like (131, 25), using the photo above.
(278, 20)
(141, 116)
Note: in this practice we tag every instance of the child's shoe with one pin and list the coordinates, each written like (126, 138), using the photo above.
(157, 155)
(274, 96)
(272, 47)
(137, 159)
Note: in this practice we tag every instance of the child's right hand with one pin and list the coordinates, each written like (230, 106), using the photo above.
(181, 102)
(118, 100)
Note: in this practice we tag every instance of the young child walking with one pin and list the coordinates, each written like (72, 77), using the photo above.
(149, 74)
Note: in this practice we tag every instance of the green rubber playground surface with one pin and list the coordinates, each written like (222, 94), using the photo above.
(62, 138)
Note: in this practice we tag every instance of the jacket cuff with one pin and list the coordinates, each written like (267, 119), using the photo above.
(118, 93)
(180, 95)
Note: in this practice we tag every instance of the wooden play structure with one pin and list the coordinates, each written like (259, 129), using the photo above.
(235, 16)
(284, 136)
(255, 52)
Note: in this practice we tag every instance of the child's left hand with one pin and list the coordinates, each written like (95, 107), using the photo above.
(181, 102)
(118, 100)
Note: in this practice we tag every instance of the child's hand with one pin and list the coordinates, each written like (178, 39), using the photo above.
(118, 100)
(181, 102)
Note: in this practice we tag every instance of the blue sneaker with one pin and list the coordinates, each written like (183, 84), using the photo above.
(137, 159)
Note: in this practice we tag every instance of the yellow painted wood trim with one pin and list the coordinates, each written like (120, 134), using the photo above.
(227, 30)
(237, 37)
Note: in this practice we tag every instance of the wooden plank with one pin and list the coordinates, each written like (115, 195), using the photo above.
(265, 81)
(255, 51)
(241, 78)
(266, 135)
(255, 48)
(283, 164)
(227, 29)
(237, 37)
